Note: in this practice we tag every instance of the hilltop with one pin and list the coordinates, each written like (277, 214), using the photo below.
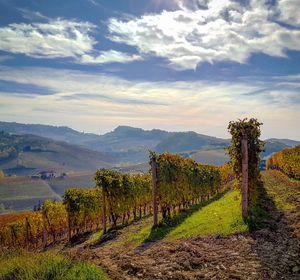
(28, 154)
(130, 145)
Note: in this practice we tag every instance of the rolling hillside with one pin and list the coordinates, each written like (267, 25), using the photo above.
(28, 154)
(130, 145)
(186, 141)
(213, 156)
(22, 193)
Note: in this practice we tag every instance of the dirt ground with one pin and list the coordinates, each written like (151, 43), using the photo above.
(270, 253)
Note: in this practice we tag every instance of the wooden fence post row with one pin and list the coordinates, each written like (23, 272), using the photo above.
(245, 177)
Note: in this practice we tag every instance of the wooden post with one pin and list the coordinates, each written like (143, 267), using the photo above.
(44, 229)
(69, 224)
(27, 232)
(245, 177)
(103, 210)
(154, 198)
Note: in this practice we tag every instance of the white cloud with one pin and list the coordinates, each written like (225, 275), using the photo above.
(97, 102)
(58, 38)
(289, 11)
(109, 57)
(212, 31)
(32, 15)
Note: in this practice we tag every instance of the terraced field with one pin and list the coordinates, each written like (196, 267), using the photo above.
(22, 193)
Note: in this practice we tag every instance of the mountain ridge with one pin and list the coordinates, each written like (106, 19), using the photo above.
(25, 154)
(130, 144)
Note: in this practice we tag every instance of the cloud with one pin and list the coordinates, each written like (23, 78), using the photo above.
(212, 31)
(109, 57)
(114, 99)
(58, 39)
(289, 12)
(93, 102)
(32, 15)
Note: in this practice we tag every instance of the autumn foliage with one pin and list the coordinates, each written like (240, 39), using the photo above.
(287, 161)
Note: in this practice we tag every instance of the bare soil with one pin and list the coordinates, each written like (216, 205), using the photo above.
(269, 253)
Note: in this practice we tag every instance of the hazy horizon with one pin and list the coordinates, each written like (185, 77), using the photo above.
(227, 136)
(173, 65)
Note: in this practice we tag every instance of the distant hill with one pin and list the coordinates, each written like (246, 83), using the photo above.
(287, 142)
(59, 133)
(27, 154)
(22, 193)
(215, 156)
(130, 145)
(186, 141)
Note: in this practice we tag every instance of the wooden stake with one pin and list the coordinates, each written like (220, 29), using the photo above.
(69, 224)
(154, 198)
(245, 186)
(103, 211)
(44, 229)
(27, 232)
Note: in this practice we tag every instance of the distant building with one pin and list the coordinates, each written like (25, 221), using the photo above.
(48, 174)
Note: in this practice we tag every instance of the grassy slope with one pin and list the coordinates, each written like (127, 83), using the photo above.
(22, 193)
(284, 192)
(21, 265)
(218, 216)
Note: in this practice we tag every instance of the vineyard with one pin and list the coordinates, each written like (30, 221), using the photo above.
(287, 161)
(181, 220)
(118, 199)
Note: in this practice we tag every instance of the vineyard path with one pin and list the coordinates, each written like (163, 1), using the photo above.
(269, 253)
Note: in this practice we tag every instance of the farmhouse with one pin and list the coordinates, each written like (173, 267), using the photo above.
(46, 175)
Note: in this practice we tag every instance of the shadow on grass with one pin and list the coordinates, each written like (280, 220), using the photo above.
(277, 245)
(167, 225)
(113, 232)
(260, 214)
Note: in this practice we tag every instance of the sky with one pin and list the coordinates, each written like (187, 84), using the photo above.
(177, 65)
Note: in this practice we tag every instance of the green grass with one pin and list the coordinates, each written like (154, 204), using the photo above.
(21, 265)
(221, 215)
